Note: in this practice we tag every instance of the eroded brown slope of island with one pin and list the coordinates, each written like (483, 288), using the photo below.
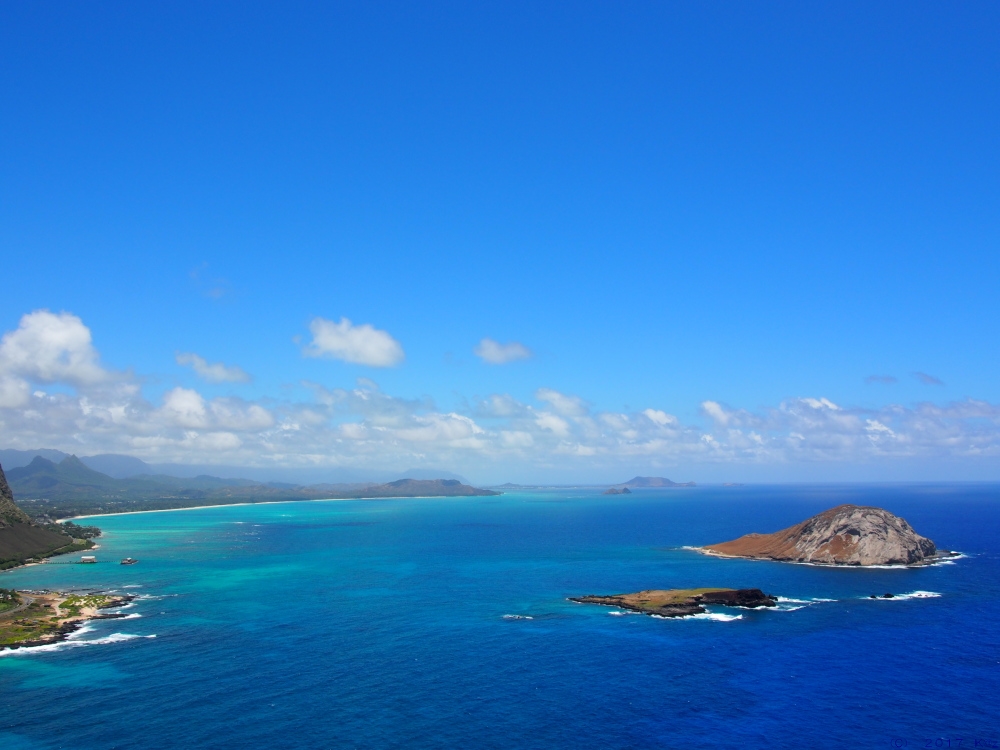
(680, 602)
(845, 535)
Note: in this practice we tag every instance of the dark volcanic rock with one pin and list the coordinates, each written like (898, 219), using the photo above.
(681, 602)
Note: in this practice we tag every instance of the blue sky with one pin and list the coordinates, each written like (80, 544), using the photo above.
(667, 206)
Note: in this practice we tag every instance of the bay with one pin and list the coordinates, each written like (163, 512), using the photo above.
(429, 623)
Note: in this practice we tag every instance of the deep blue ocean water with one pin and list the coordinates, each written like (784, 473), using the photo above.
(382, 624)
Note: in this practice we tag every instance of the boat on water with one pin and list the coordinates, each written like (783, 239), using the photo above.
(129, 561)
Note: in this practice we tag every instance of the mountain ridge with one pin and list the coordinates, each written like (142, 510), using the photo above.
(20, 539)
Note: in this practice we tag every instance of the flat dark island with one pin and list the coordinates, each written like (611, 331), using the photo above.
(681, 602)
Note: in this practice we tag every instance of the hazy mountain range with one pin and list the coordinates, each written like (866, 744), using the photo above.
(49, 490)
(119, 466)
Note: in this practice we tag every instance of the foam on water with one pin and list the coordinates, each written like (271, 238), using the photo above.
(904, 597)
(713, 616)
(72, 641)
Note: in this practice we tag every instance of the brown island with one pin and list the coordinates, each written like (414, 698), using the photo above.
(845, 535)
(36, 618)
(681, 602)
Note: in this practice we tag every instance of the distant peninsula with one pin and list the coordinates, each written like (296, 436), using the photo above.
(681, 602)
(856, 535)
(49, 491)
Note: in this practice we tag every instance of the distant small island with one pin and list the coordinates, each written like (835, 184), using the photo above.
(855, 535)
(616, 491)
(31, 618)
(681, 602)
(653, 482)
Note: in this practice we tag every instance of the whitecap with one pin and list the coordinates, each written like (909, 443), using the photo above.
(133, 586)
(518, 617)
(911, 595)
(716, 616)
(72, 641)
(948, 560)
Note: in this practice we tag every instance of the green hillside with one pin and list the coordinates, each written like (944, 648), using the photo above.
(20, 539)
(50, 490)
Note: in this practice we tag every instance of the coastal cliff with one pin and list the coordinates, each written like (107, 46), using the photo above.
(9, 512)
(845, 535)
(19, 538)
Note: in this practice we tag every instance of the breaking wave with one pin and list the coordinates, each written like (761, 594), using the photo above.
(904, 597)
(74, 640)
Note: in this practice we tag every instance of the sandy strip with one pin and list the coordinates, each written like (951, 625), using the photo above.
(274, 502)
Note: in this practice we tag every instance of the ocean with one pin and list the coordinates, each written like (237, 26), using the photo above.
(444, 623)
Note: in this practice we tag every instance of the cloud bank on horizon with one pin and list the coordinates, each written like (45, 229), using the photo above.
(54, 392)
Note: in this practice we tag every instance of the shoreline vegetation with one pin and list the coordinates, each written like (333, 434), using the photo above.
(40, 618)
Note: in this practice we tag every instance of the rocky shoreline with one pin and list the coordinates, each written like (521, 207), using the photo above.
(66, 614)
(680, 602)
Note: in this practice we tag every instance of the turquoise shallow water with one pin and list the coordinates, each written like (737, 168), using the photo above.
(382, 624)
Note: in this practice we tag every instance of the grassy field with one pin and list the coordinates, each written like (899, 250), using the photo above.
(46, 613)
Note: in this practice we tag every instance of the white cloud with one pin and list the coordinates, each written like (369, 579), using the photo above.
(659, 417)
(496, 353)
(185, 408)
(567, 406)
(215, 372)
(47, 347)
(516, 439)
(361, 344)
(501, 405)
(14, 391)
(820, 403)
(554, 424)
(716, 411)
(364, 427)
